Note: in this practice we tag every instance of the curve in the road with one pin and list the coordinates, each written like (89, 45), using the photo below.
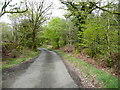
(47, 71)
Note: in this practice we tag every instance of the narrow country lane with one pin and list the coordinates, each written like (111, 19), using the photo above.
(47, 71)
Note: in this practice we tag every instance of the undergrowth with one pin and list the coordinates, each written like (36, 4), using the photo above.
(26, 54)
(107, 80)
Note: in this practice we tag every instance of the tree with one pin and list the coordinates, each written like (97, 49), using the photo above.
(6, 32)
(56, 32)
(37, 16)
(13, 8)
(32, 21)
(79, 11)
(101, 37)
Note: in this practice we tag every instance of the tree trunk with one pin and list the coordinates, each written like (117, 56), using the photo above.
(57, 42)
(108, 40)
(33, 40)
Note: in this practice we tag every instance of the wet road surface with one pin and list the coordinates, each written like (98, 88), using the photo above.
(47, 71)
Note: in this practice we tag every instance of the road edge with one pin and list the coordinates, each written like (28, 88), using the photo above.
(71, 70)
(22, 66)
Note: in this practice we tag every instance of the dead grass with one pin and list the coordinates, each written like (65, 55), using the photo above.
(100, 64)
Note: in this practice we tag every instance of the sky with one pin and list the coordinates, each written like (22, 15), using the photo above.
(55, 9)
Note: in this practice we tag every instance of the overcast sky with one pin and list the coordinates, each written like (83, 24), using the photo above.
(55, 11)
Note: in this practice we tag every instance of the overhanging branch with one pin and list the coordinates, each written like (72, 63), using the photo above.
(113, 12)
(3, 10)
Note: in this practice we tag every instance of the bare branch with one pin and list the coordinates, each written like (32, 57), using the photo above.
(113, 12)
(102, 8)
(17, 10)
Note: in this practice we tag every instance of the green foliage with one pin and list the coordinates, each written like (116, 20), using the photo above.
(10, 49)
(55, 32)
(19, 48)
(101, 36)
(25, 32)
(6, 31)
(8, 45)
(109, 62)
(97, 32)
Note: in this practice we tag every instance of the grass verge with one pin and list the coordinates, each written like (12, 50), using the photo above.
(104, 79)
(26, 55)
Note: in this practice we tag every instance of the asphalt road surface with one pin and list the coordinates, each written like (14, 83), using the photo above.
(47, 71)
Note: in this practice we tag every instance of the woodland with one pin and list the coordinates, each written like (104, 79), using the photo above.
(88, 28)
